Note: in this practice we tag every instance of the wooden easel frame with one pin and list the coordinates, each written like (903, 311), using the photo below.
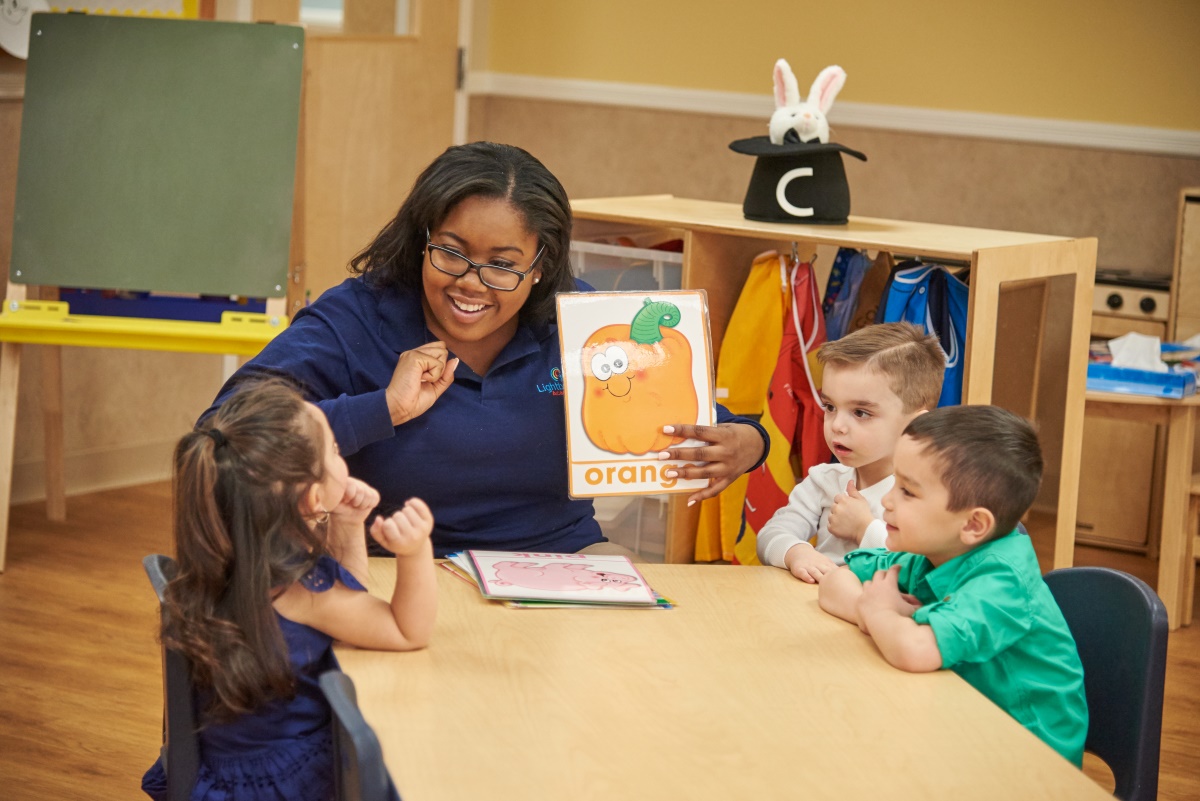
(216, 341)
(26, 321)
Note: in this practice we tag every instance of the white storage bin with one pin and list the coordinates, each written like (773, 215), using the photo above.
(639, 522)
(611, 268)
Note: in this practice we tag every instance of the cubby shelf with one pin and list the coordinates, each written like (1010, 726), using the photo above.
(1030, 357)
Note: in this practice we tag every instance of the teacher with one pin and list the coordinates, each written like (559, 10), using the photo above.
(432, 364)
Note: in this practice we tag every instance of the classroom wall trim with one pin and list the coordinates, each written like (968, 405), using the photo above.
(1139, 139)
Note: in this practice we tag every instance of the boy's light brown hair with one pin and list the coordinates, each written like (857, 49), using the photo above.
(911, 361)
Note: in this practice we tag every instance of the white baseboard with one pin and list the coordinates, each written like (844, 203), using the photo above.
(1159, 141)
(92, 471)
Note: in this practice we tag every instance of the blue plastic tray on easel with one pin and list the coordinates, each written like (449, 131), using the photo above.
(1175, 383)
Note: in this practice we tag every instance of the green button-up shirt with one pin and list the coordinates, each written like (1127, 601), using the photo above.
(999, 628)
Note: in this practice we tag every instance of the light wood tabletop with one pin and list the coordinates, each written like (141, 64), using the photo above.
(745, 690)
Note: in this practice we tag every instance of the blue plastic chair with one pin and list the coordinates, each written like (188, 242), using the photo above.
(181, 746)
(359, 772)
(1120, 629)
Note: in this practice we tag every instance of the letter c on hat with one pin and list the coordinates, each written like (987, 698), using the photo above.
(781, 189)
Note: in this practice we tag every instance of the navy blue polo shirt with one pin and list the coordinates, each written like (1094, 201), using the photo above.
(490, 455)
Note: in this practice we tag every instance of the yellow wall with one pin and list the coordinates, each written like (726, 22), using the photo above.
(1110, 61)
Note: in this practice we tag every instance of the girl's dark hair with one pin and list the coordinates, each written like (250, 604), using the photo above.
(240, 539)
(479, 169)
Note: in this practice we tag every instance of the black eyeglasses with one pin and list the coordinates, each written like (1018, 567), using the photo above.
(496, 276)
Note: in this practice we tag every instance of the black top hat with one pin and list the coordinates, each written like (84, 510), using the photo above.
(796, 181)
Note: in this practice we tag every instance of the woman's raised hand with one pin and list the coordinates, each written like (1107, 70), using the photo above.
(421, 376)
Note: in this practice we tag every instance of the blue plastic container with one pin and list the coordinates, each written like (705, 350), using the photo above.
(1178, 382)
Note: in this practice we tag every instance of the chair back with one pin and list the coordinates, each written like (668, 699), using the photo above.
(181, 746)
(1120, 629)
(359, 772)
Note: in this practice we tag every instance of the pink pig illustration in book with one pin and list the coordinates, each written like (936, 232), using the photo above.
(558, 576)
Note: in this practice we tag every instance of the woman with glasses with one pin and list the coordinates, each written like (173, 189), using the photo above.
(438, 365)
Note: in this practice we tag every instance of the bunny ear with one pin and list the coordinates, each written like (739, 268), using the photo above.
(787, 91)
(826, 87)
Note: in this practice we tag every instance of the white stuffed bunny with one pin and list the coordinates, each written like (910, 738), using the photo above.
(805, 117)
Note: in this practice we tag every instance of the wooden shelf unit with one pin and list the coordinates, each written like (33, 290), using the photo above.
(1005, 335)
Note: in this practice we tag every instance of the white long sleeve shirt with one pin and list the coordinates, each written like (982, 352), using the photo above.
(807, 513)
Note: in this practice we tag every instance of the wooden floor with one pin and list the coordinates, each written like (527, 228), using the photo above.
(80, 692)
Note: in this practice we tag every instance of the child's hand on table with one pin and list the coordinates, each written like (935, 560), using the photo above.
(882, 592)
(805, 563)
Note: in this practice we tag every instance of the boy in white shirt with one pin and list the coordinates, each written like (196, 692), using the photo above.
(875, 381)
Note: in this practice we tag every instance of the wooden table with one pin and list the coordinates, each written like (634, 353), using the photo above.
(746, 690)
(1179, 417)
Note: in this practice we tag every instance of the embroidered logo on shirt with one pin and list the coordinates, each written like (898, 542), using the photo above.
(554, 387)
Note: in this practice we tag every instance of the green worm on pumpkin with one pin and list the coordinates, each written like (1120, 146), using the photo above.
(645, 328)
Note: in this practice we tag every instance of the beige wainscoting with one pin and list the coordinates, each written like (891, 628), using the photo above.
(1129, 201)
(123, 412)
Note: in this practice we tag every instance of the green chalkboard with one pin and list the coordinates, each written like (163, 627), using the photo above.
(157, 155)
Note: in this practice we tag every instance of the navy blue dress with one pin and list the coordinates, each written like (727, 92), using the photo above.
(283, 751)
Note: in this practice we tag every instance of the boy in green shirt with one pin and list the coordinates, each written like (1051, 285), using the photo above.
(960, 588)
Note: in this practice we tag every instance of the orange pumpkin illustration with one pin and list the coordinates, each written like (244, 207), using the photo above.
(637, 379)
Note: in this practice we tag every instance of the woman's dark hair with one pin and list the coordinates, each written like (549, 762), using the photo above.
(240, 539)
(479, 169)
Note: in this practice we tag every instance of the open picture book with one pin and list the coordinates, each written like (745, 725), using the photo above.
(556, 579)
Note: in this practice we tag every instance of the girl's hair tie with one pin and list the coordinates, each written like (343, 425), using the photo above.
(217, 437)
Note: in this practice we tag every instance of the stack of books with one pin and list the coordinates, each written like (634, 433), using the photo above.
(556, 580)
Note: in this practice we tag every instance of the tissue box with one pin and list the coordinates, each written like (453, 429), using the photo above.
(1175, 383)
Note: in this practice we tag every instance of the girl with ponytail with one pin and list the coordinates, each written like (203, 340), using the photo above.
(271, 570)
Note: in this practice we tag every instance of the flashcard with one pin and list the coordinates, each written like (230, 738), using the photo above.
(632, 363)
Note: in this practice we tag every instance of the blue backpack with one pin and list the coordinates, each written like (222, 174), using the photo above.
(928, 296)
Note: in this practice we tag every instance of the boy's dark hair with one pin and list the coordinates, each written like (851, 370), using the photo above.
(479, 169)
(987, 456)
(911, 361)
